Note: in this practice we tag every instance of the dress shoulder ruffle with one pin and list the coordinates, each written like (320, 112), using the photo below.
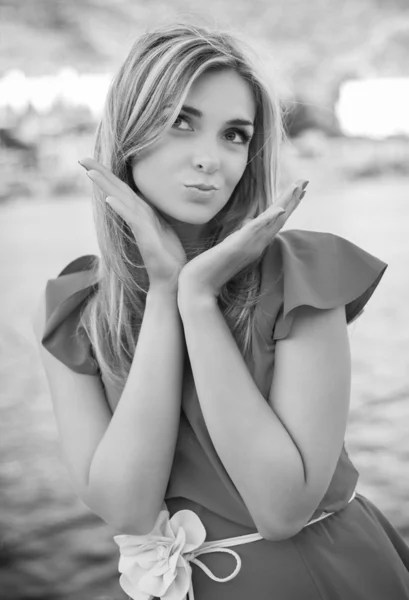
(322, 270)
(65, 297)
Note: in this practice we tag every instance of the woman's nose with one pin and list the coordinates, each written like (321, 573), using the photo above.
(206, 165)
(206, 161)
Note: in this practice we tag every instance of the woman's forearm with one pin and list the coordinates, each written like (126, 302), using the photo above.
(253, 445)
(131, 466)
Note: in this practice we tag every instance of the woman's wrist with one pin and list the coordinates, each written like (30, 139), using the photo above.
(162, 292)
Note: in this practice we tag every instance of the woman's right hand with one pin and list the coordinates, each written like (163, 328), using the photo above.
(160, 247)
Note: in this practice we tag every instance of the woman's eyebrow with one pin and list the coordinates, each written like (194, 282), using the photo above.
(197, 113)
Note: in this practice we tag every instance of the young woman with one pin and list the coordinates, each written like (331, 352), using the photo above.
(200, 368)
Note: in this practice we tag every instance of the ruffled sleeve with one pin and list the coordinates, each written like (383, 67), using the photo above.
(322, 270)
(65, 297)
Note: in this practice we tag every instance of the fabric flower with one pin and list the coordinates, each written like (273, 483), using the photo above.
(157, 564)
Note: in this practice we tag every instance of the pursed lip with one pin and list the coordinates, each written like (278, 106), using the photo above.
(202, 186)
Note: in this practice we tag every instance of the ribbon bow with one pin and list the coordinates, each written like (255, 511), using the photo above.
(158, 564)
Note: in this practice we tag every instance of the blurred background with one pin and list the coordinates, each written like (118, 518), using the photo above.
(342, 71)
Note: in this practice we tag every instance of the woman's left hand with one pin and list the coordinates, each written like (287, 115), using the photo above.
(205, 274)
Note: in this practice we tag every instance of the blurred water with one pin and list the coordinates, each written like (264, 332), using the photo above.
(51, 546)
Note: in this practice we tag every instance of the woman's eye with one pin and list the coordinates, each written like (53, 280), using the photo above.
(182, 118)
(245, 137)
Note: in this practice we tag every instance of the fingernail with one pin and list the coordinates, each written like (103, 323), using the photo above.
(302, 195)
(304, 185)
(296, 192)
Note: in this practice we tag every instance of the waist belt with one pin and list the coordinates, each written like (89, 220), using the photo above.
(157, 564)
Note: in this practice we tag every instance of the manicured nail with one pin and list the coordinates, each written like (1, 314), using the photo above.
(296, 192)
(304, 185)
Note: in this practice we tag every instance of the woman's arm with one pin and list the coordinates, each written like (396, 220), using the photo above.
(119, 464)
(131, 465)
(280, 455)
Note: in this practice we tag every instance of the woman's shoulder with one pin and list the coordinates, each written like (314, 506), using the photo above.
(65, 297)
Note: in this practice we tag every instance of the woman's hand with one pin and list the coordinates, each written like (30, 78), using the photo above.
(205, 274)
(160, 247)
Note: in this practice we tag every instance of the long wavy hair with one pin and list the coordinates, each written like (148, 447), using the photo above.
(159, 70)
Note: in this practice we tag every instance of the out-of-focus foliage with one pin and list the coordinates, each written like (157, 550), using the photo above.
(314, 42)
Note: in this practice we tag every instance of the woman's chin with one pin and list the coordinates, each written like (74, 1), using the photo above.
(186, 219)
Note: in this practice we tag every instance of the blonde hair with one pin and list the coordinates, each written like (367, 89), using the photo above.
(159, 70)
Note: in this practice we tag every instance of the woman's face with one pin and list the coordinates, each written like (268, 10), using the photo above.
(199, 149)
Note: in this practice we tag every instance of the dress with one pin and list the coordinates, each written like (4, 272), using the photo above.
(354, 554)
